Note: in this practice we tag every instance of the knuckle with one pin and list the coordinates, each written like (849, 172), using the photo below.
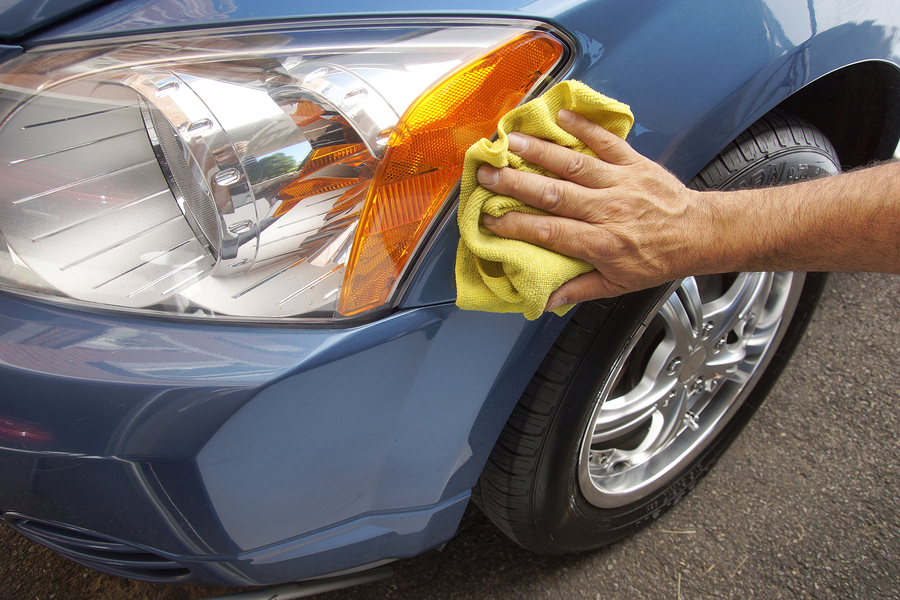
(612, 148)
(602, 247)
(551, 196)
(575, 166)
(512, 183)
(605, 141)
(618, 210)
(578, 167)
(546, 233)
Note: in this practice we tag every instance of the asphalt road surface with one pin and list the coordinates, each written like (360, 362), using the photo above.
(804, 505)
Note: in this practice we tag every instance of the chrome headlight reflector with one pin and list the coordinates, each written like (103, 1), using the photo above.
(252, 176)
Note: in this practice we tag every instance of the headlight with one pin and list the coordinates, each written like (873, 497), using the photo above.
(285, 174)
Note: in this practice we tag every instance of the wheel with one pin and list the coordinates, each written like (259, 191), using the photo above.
(641, 394)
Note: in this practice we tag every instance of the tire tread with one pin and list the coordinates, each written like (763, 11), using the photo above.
(505, 486)
(776, 133)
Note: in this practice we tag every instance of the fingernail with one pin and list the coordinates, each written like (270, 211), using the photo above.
(488, 175)
(517, 142)
(556, 304)
(490, 220)
(565, 116)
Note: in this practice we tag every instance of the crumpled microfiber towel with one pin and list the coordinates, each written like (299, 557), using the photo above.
(496, 274)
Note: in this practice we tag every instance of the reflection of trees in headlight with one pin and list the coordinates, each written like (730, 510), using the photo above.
(270, 167)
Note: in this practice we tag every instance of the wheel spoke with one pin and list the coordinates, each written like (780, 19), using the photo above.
(689, 294)
(671, 422)
(732, 311)
(628, 410)
(656, 394)
(676, 314)
(724, 363)
(662, 426)
(622, 415)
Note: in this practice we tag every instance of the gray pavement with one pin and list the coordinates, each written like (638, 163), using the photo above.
(805, 504)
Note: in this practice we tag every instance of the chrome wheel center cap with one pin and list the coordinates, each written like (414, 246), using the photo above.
(693, 364)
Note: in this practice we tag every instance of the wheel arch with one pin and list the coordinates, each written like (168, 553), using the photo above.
(858, 109)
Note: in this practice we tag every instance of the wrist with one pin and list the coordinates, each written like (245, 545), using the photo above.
(711, 234)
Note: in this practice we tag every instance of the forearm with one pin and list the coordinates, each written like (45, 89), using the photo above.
(850, 222)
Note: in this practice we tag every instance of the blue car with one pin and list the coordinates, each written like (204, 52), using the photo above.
(229, 347)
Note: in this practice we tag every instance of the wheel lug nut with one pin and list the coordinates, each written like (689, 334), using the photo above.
(707, 329)
(673, 365)
(690, 419)
(698, 386)
(719, 345)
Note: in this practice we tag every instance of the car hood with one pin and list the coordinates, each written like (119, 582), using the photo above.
(20, 17)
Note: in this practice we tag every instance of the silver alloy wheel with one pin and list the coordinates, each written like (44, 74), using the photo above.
(681, 380)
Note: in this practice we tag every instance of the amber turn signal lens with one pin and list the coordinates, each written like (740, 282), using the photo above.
(424, 160)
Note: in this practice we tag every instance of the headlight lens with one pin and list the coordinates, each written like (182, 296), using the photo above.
(254, 176)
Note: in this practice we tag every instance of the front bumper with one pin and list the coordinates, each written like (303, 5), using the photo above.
(250, 455)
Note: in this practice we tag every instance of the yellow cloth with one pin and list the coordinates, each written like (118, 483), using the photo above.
(496, 274)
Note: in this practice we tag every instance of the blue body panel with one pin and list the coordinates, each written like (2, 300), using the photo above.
(19, 17)
(257, 454)
(236, 440)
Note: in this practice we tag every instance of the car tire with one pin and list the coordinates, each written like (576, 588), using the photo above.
(663, 380)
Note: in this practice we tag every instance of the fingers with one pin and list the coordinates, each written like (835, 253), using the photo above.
(578, 173)
(552, 195)
(583, 288)
(598, 208)
(609, 147)
(570, 237)
(568, 164)
(576, 166)
(559, 235)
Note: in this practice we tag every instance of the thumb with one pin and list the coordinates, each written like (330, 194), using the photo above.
(582, 288)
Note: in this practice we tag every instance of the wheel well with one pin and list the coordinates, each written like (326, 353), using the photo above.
(857, 107)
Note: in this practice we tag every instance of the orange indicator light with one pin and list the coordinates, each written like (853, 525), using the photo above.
(424, 160)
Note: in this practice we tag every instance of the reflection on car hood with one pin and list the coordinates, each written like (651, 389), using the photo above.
(18, 17)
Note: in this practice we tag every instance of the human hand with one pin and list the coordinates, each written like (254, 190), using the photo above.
(621, 212)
